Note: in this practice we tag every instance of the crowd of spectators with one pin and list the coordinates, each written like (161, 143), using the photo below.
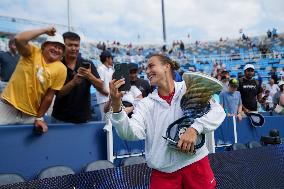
(254, 96)
(72, 103)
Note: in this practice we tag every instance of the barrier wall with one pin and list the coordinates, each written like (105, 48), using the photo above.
(74, 145)
(245, 132)
(248, 133)
(229, 132)
(258, 168)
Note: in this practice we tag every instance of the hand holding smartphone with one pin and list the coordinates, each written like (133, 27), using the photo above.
(121, 71)
(85, 65)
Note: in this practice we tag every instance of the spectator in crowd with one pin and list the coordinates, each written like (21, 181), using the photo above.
(38, 75)
(245, 37)
(272, 87)
(105, 71)
(280, 105)
(130, 99)
(277, 95)
(259, 78)
(222, 66)
(231, 100)
(274, 33)
(278, 99)
(141, 84)
(152, 115)
(8, 63)
(178, 77)
(181, 46)
(250, 89)
(266, 101)
(73, 101)
(225, 77)
(282, 74)
(164, 48)
(274, 75)
(269, 33)
(214, 71)
(240, 75)
(219, 74)
(263, 48)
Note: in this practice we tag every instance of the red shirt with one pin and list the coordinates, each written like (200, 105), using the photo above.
(168, 98)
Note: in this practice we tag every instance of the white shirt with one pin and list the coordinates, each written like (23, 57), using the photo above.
(105, 75)
(272, 89)
(131, 95)
(281, 75)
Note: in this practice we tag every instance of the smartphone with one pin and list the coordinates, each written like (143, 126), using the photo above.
(121, 71)
(85, 65)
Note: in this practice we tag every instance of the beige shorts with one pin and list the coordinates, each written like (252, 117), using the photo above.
(11, 116)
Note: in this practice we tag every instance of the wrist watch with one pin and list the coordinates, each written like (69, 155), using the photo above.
(39, 119)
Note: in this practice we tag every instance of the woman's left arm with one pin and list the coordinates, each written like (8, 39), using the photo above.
(210, 121)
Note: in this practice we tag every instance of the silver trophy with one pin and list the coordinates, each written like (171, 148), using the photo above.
(194, 104)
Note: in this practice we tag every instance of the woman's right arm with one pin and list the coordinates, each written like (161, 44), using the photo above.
(129, 129)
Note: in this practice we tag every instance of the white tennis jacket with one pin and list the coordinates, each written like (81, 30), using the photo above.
(150, 120)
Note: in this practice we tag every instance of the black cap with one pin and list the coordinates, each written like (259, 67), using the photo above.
(132, 66)
(105, 54)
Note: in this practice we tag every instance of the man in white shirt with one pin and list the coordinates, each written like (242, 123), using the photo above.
(282, 74)
(272, 87)
(105, 71)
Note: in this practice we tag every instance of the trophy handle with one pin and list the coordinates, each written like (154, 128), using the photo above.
(182, 123)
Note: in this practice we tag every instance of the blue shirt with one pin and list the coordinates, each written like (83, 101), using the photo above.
(8, 63)
(178, 77)
(230, 101)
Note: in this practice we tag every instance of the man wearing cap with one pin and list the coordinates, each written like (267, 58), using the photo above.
(105, 71)
(250, 89)
(231, 100)
(141, 84)
(37, 76)
(73, 101)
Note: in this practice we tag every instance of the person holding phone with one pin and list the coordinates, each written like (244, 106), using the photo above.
(171, 169)
(105, 71)
(73, 101)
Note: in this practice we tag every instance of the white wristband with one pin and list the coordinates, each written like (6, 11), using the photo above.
(121, 108)
(39, 119)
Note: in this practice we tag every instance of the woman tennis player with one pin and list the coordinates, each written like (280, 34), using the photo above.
(171, 169)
